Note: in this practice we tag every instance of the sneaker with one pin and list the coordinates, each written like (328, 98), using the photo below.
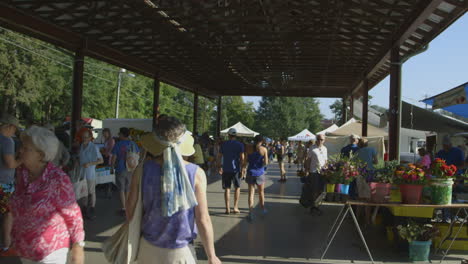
(8, 252)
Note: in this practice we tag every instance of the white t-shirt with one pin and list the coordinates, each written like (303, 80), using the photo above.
(318, 158)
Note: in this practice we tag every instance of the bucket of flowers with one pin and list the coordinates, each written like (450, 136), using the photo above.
(411, 179)
(339, 173)
(442, 181)
(381, 182)
(419, 237)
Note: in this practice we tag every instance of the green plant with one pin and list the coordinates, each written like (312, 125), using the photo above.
(385, 172)
(417, 232)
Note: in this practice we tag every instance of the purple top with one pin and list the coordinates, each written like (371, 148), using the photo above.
(256, 167)
(172, 232)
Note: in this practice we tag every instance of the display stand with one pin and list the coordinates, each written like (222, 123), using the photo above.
(347, 208)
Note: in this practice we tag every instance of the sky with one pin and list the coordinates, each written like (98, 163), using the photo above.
(442, 67)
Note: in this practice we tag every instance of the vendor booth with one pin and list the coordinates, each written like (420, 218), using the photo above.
(305, 136)
(242, 130)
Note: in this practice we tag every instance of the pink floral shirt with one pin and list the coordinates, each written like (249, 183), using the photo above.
(46, 215)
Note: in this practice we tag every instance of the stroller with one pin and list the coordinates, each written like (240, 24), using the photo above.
(313, 193)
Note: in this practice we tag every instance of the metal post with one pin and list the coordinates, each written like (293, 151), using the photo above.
(195, 113)
(218, 118)
(156, 91)
(77, 93)
(118, 94)
(344, 111)
(365, 107)
(395, 104)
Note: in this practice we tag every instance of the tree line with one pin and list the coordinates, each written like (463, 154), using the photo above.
(36, 81)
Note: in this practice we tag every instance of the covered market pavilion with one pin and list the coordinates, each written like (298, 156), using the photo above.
(313, 48)
(252, 48)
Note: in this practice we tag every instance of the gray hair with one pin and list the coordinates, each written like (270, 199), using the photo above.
(44, 140)
(170, 129)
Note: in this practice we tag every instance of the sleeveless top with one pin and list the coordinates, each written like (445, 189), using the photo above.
(176, 231)
(256, 167)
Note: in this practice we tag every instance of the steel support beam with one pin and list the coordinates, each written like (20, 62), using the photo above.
(195, 113)
(218, 117)
(77, 92)
(365, 107)
(344, 111)
(156, 91)
(395, 105)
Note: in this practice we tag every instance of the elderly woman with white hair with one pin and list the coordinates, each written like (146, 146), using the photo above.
(47, 219)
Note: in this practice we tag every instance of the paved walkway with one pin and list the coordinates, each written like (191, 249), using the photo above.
(287, 234)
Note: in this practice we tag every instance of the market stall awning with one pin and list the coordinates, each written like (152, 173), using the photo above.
(328, 129)
(242, 130)
(305, 135)
(454, 100)
(355, 127)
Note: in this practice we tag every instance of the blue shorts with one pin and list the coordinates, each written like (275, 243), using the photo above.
(258, 180)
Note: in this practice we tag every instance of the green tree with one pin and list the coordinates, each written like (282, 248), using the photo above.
(283, 116)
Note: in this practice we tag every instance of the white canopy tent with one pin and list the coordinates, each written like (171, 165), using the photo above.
(304, 135)
(242, 130)
(330, 129)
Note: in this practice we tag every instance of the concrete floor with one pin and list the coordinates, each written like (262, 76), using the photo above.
(287, 234)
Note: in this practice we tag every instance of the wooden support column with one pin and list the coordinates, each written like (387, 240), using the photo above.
(365, 107)
(156, 92)
(344, 111)
(351, 107)
(195, 113)
(77, 92)
(395, 105)
(218, 118)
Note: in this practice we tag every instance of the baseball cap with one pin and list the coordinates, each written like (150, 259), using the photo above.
(9, 120)
(232, 131)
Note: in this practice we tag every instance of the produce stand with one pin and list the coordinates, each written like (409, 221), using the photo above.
(347, 208)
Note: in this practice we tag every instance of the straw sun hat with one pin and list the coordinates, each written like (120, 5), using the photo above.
(156, 147)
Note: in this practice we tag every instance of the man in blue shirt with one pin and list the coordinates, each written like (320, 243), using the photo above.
(119, 161)
(352, 147)
(451, 155)
(230, 160)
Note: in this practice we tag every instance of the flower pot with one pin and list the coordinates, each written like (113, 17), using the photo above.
(411, 193)
(343, 188)
(380, 192)
(441, 191)
(330, 188)
(419, 250)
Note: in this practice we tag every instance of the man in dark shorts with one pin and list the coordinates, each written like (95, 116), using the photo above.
(230, 160)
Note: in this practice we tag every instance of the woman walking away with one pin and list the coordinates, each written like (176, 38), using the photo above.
(89, 158)
(174, 199)
(280, 151)
(109, 143)
(301, 151)
(257, 158)
(47, 219)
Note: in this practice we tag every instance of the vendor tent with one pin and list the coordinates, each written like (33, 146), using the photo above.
(355, 127)
(330, 129)
(304, 135)
(242, 130)
(453, 100)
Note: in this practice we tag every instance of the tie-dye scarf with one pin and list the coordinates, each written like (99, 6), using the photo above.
(176, 189)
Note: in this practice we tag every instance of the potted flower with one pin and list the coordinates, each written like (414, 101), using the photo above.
(411, 179)
(419, 238)
(442, 181)
(382, 181)
(349, 172)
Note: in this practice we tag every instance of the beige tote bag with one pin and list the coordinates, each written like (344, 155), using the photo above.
(122, 247)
